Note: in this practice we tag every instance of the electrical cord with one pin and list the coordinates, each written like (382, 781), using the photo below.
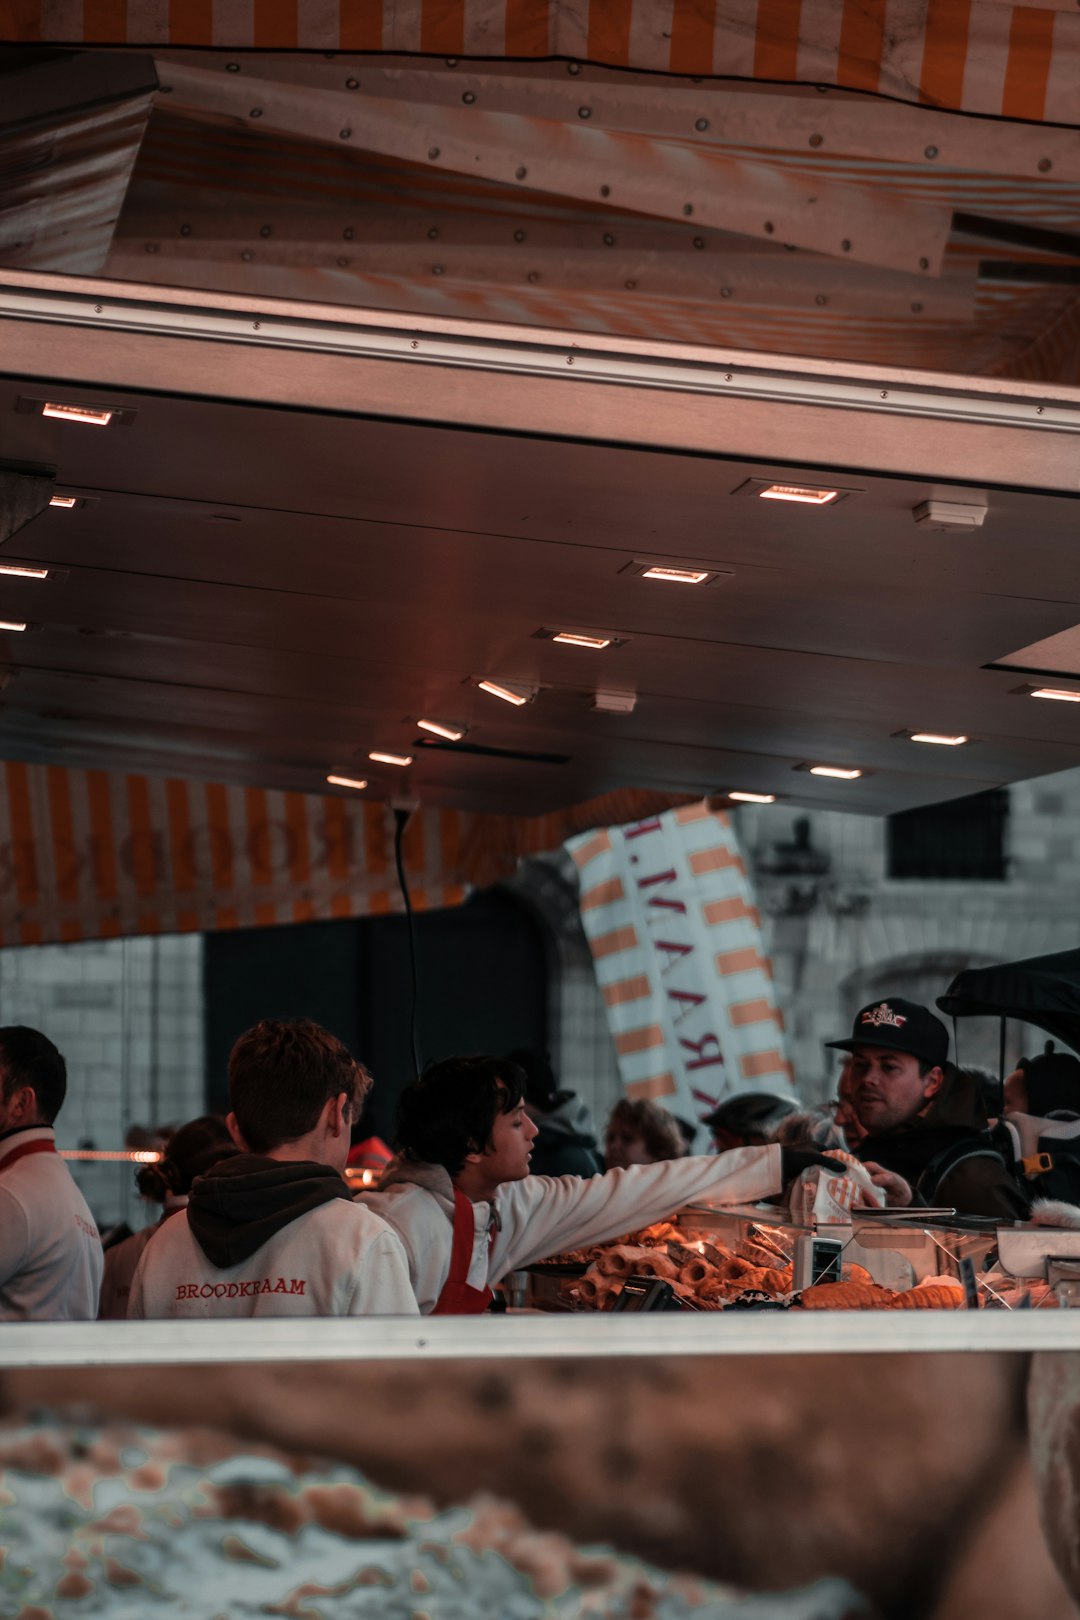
(401, 821)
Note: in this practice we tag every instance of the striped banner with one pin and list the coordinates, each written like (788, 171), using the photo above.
(983, 56)
(676, 942)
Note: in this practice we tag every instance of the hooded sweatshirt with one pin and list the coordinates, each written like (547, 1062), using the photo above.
(979, 1185)
(545, 1215)
(565, 1143)
(269, 1237)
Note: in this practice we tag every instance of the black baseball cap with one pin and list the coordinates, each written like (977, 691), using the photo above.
(902, 1025)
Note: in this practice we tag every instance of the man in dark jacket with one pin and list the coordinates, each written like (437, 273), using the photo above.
(565, 1142)
(923, 1116)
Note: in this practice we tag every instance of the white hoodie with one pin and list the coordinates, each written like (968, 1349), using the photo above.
(544, 1215)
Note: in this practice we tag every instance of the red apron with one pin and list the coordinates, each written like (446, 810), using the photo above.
(457, 1298)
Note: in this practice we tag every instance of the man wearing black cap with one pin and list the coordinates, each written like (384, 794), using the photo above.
(922, 1115)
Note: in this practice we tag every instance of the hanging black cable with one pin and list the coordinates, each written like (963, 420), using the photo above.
(401, 821)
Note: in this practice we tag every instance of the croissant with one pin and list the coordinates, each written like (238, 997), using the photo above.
(938, 1297)
(846, 1297)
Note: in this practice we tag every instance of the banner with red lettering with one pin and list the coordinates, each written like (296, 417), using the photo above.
(677, 946)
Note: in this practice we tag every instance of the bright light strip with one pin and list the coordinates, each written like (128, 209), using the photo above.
(1059, 697)
(366, 1178)
(346, 781)
(10, 624)
(451, 733)
(834, 770)
(568, 639)
(753, 798)
(932, 737)
(78, 413)
(391, 759)
(504, 692)
(23, 573)
(66, 501)
(794, 492)
(95, 1155)
(678, 576)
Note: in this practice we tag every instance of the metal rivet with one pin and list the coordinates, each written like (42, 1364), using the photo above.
(924, 264)
(701, 123)
(519, 236)
(151, 247)
(352, 84)
(346, 134)
(437, 269)
(846, 245)
(688, 209)
(468, 98)
(98, 309)
(699, 241)
(433, 233)
(931, 151)
(247, 255)
(232, 67)
(1038, 410)
(414, 344)
(821, 299)
(347, 233)
(609, 240)
(574, 68)
(433, 152)
(605, 191)
(769, 227)
(884, 393)
(1045, 165)
(256, 112)
(519, 174)
(451, 61)
(584, 112)
(725, 292)
(815, 140)
(264, 230)
(533, 275)
(569, 359)
(916, 309)
(727, 376)
(185, 230)
(256, 326)
(630, 285)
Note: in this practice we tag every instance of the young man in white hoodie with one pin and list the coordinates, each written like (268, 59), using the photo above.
(462, 1200)
(274, 1231)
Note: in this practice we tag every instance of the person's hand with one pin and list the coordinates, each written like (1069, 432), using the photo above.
(898, 1194)
(794, 1160)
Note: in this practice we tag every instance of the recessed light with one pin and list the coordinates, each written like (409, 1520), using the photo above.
(15, 572)
(934, 737)
(77, 413)
(346, 781)
(839, 771)
(517, 695)
(391, 759)
(11, 624)
(752, 798)
(452, 733)
(678, 576)
(570, 638)
(804, 494)
(66, 501)
(1055, 693)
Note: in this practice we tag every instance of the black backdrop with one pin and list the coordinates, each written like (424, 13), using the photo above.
(483, 988)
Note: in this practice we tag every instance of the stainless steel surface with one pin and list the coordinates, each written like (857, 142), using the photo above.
(1023, 1250)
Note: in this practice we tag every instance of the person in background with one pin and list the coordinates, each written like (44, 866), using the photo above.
(468, 1212)
(641, 1132)
(748, 1119)
(1047, 1086)
(274, 1231)
(50, 1252)
(189, 1152)
(687, 1131)
(565, 1143)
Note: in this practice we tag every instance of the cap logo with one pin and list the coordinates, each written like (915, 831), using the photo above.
(883, 1014)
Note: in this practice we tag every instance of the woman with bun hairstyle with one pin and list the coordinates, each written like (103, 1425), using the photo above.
(189, 1153)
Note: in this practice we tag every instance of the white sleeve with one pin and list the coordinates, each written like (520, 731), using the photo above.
(136, 1306)
(14, 1237)
(425, 1234)
(382, 1285)
(543, 1215)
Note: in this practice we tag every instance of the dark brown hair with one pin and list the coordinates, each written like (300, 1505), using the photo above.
(189, 1152)
(29, 1058)
(451, 1110)
(282, 1073)
(656, 1127)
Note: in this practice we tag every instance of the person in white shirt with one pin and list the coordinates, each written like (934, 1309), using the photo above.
(274, 1231)
(462, 1200)
(50, 1252)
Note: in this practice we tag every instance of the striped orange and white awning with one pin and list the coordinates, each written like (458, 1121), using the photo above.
(983, 56)
(90, 854)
